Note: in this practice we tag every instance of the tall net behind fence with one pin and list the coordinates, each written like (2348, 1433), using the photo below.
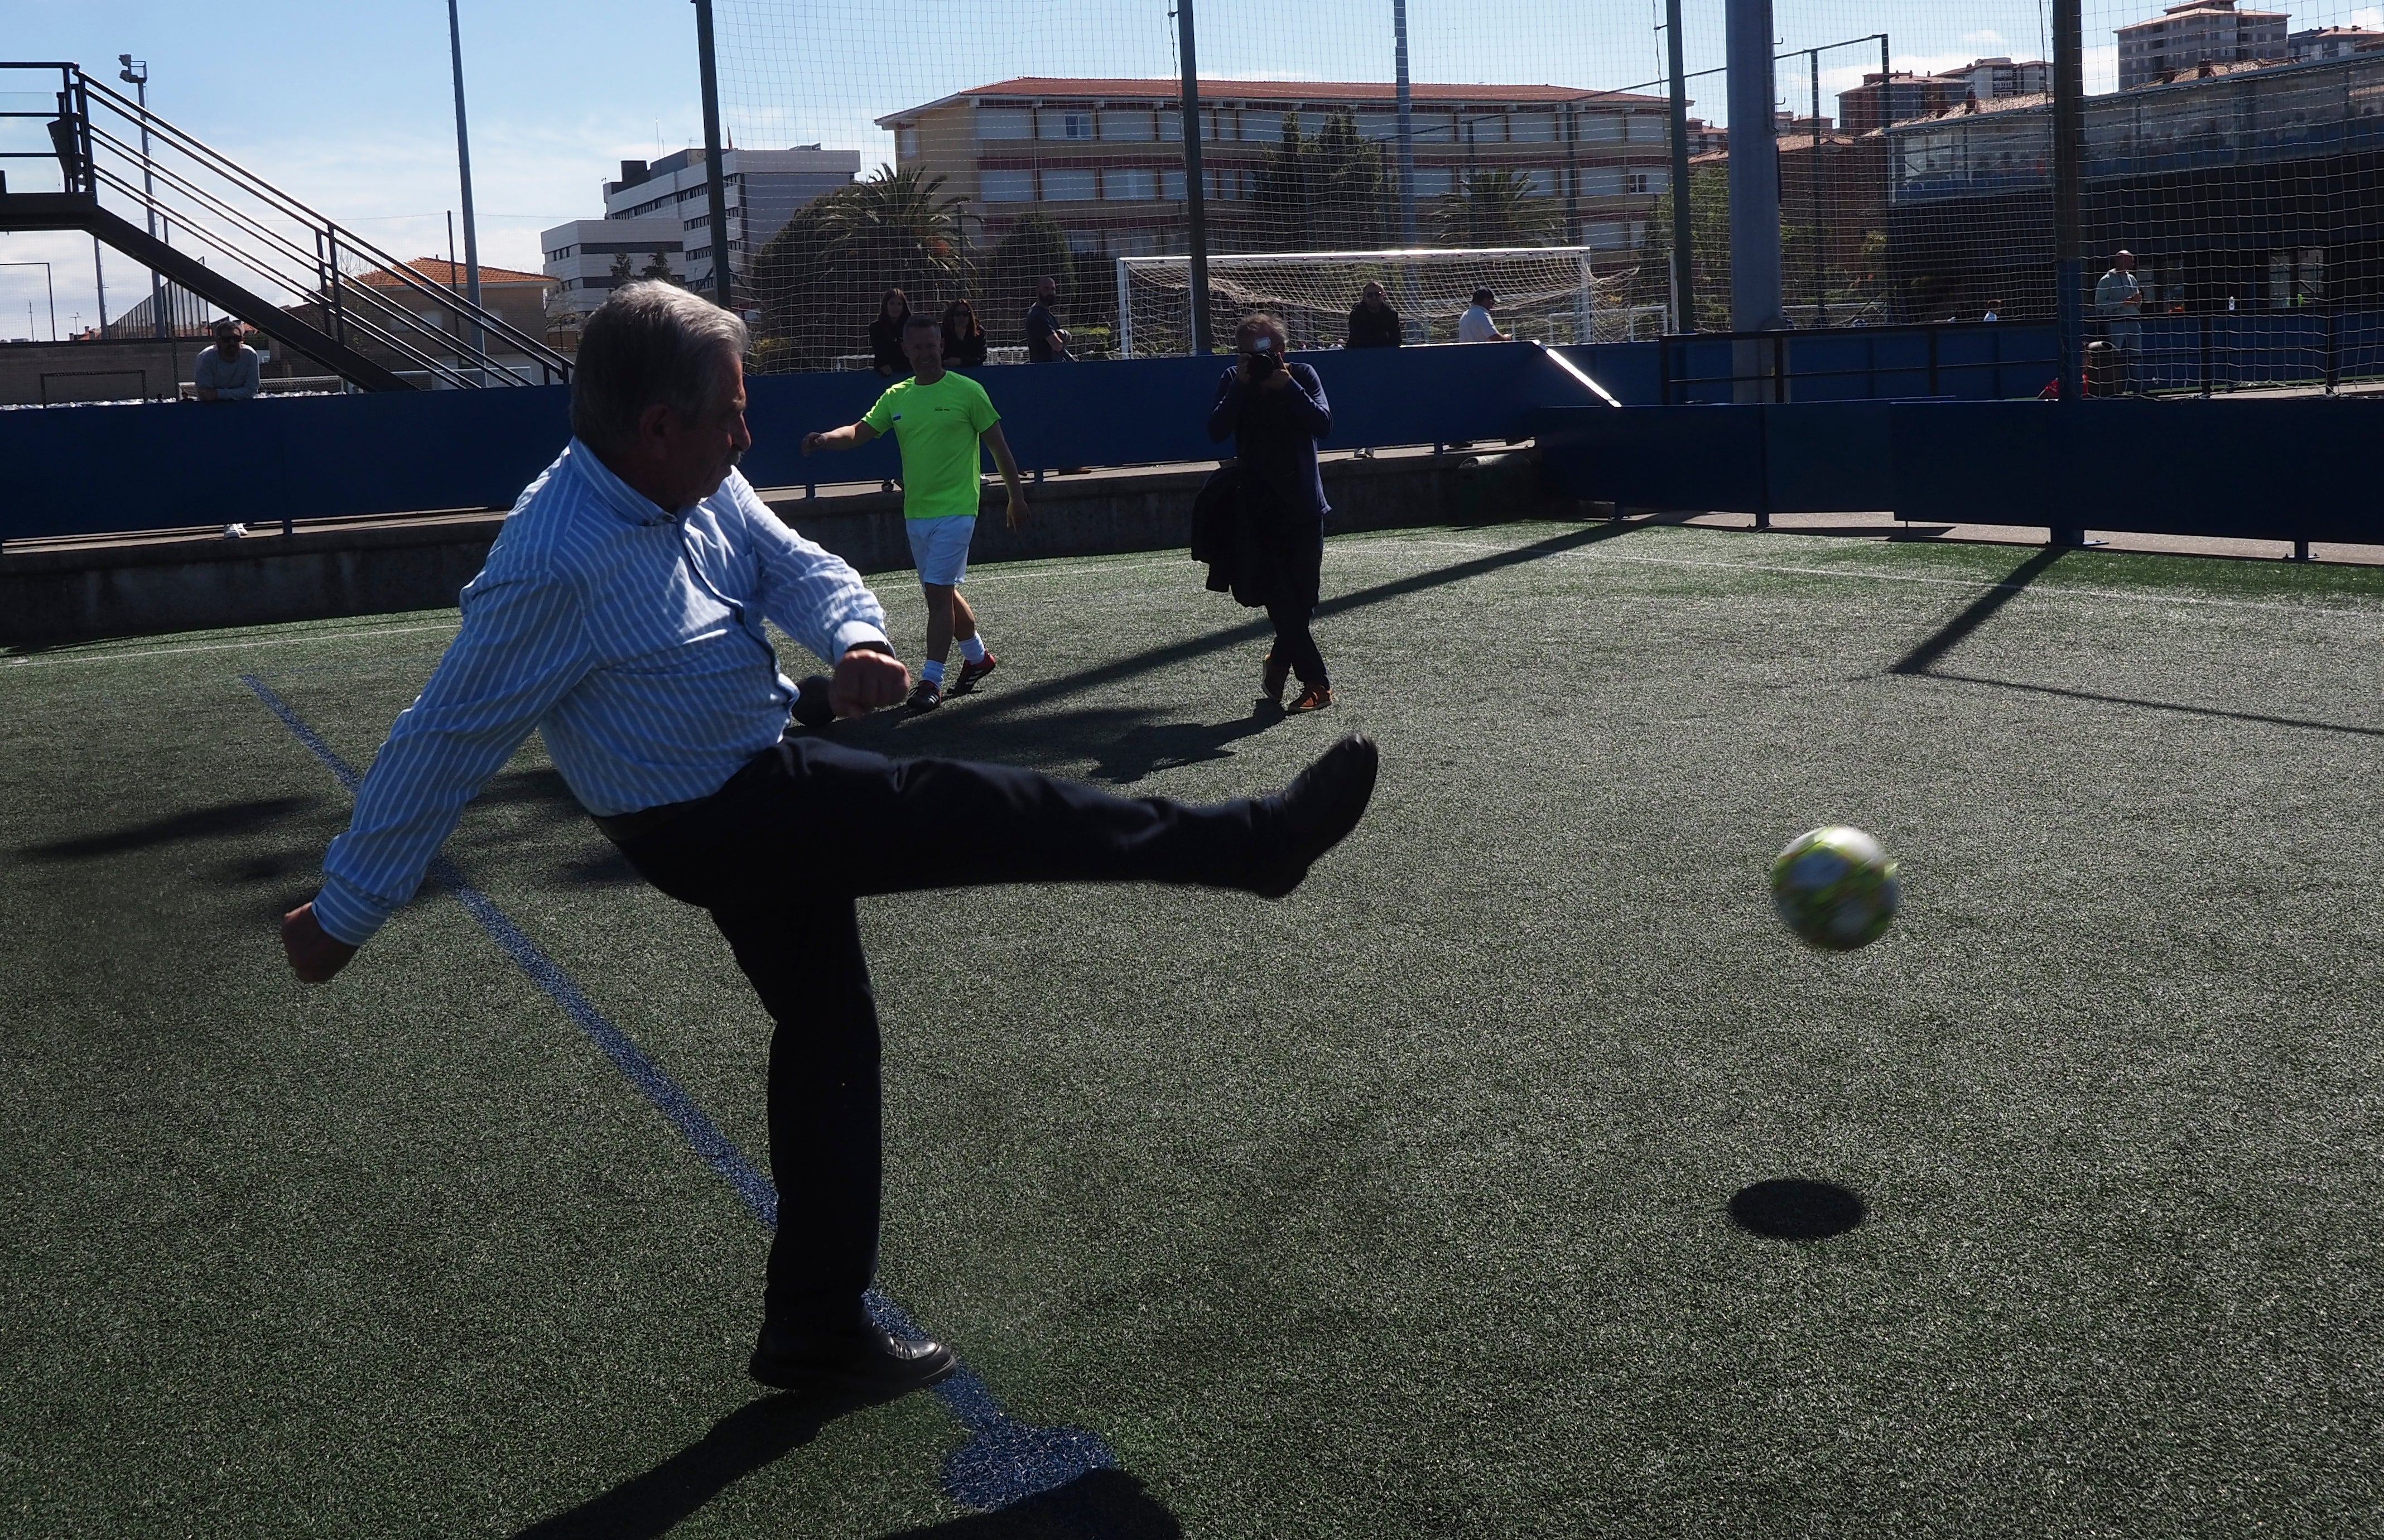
(959, 150)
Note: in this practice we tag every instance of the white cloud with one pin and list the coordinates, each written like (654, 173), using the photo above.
(1988, 38)
(2369, 17)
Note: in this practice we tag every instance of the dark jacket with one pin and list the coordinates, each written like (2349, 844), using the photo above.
(1279, 521)
(1216, 516)
(886, 342)
(1043, 344)
(1374, 328)
(964, 352)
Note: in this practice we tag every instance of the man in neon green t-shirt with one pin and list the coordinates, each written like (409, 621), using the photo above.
(938, 419)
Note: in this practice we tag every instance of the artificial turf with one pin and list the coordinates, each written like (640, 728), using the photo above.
(1400, 1207)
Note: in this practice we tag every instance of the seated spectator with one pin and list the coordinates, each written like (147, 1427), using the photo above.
(1475, 325)
(964, 336)
(1373, 322)
(227, 371)
(1046, 342)
(885, 334)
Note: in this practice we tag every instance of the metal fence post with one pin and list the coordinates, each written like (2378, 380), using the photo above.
(2205, 356)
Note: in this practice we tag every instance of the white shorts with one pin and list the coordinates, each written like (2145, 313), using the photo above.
(940, 548)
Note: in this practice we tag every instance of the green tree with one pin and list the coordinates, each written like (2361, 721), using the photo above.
(899, 229)
(1709, 241)
(1284, 199)
(622, 272)
(1034, 247)
(657, 266)
(1350, 186)
(1495, 208)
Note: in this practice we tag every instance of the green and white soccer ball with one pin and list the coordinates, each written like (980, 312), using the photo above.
(1835, 887)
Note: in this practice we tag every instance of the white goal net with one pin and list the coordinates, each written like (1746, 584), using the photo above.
(1544, 293)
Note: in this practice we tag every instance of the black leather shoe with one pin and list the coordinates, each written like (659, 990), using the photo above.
(1317, 811)
(865, 1361)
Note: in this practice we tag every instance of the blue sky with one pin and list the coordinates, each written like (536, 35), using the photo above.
(349, 106)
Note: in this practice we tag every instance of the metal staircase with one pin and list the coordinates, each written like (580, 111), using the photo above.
(299, 278)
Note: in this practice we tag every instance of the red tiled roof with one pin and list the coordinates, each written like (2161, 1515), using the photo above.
(1277, 90)
(440, 271)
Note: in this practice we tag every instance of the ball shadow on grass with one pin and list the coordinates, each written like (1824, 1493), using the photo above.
(1788, 1208)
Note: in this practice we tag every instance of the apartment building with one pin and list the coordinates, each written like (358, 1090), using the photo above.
(1103, 158)
(2198, 31)
(665, 206)
(1901, 96)
(2332, 43)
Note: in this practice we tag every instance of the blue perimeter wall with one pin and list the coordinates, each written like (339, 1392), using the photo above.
(1852, 440)
(162, 465)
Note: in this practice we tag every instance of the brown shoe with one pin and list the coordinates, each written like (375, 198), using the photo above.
(1272, 677)
(1313, 698)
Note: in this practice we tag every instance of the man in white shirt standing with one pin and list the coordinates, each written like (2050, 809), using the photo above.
(1475, 325)
(621, 617)
(227, 371)
(2119, 301)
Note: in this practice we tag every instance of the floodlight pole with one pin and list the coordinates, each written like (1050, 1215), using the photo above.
(1684, 281)
(48, 286)
(1754, 191)
(463, 174)
(1406, 126)
(135, 74)
(715, 177)
(2069, 240)
(1196, 209)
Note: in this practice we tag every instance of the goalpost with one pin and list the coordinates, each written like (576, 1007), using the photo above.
(1548, 293)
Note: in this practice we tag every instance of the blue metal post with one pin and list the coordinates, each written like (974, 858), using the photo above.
(1754, 187)
(463, 174)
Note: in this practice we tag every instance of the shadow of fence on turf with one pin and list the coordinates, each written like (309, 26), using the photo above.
(211, 823)
(1923, 658)
(1154, 658)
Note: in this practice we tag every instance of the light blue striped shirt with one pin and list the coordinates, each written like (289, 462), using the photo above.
(630, 638)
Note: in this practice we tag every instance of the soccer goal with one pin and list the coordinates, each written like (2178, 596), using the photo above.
(1546, 292)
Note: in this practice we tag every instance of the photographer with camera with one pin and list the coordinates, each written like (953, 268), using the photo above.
(1275, 411)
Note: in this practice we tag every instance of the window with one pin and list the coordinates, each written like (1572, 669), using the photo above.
(1004, 123)
(1646, 182)
(1262, 126)
(1067, 186)
(1066, 125)
(1123, 123)
(906, 143)
(1129, 184)
(1171, 186)
(1541, 182)
(1532, 128)
(1006, 187)
(1600, 181)
(1170, 126)
(1600, 128)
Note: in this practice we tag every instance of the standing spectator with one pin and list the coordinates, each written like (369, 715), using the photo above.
(1475, 325)
(1995, 311)
(2119, 301)
(1046, 344)
(885, 333)
(938, 419)
(963, 336)
(1373, 322)
(227, 371)
(1275, 411)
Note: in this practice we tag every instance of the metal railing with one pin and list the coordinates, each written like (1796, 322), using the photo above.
(1769, 361)
(290, 256)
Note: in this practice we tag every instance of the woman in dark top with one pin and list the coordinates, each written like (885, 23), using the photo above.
(964, 336)
(1373, 322)
(1275, 411)
(885, 333)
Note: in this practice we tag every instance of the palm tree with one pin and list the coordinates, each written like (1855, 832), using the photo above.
(899, 229)
(1494, 208)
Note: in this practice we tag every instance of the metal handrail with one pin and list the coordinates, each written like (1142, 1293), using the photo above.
(213, 216)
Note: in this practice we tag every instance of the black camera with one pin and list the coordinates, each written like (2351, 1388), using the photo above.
(1263, 359)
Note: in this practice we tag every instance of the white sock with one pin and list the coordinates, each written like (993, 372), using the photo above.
(973, 648)
(933, 672)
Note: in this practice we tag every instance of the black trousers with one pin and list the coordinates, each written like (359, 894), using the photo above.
(778, 856)
(1295, 643)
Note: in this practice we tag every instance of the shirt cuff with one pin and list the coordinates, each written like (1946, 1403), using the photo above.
(347, 915)
(853, 634)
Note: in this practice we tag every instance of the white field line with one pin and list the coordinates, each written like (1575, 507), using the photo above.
(2138, 596)
(226, 646)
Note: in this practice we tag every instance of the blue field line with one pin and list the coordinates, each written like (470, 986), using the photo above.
(1006, 1460)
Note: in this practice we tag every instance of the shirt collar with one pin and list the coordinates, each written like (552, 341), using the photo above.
(623, 501)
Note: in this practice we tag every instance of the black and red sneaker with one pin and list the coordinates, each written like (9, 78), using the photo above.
(972, 673)
(926, 695)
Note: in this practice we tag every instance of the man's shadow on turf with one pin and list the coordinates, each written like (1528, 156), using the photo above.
(1103, 1503)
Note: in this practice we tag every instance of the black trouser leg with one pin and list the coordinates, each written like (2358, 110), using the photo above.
(805, 962)
(1295, 643)
(779, 859)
